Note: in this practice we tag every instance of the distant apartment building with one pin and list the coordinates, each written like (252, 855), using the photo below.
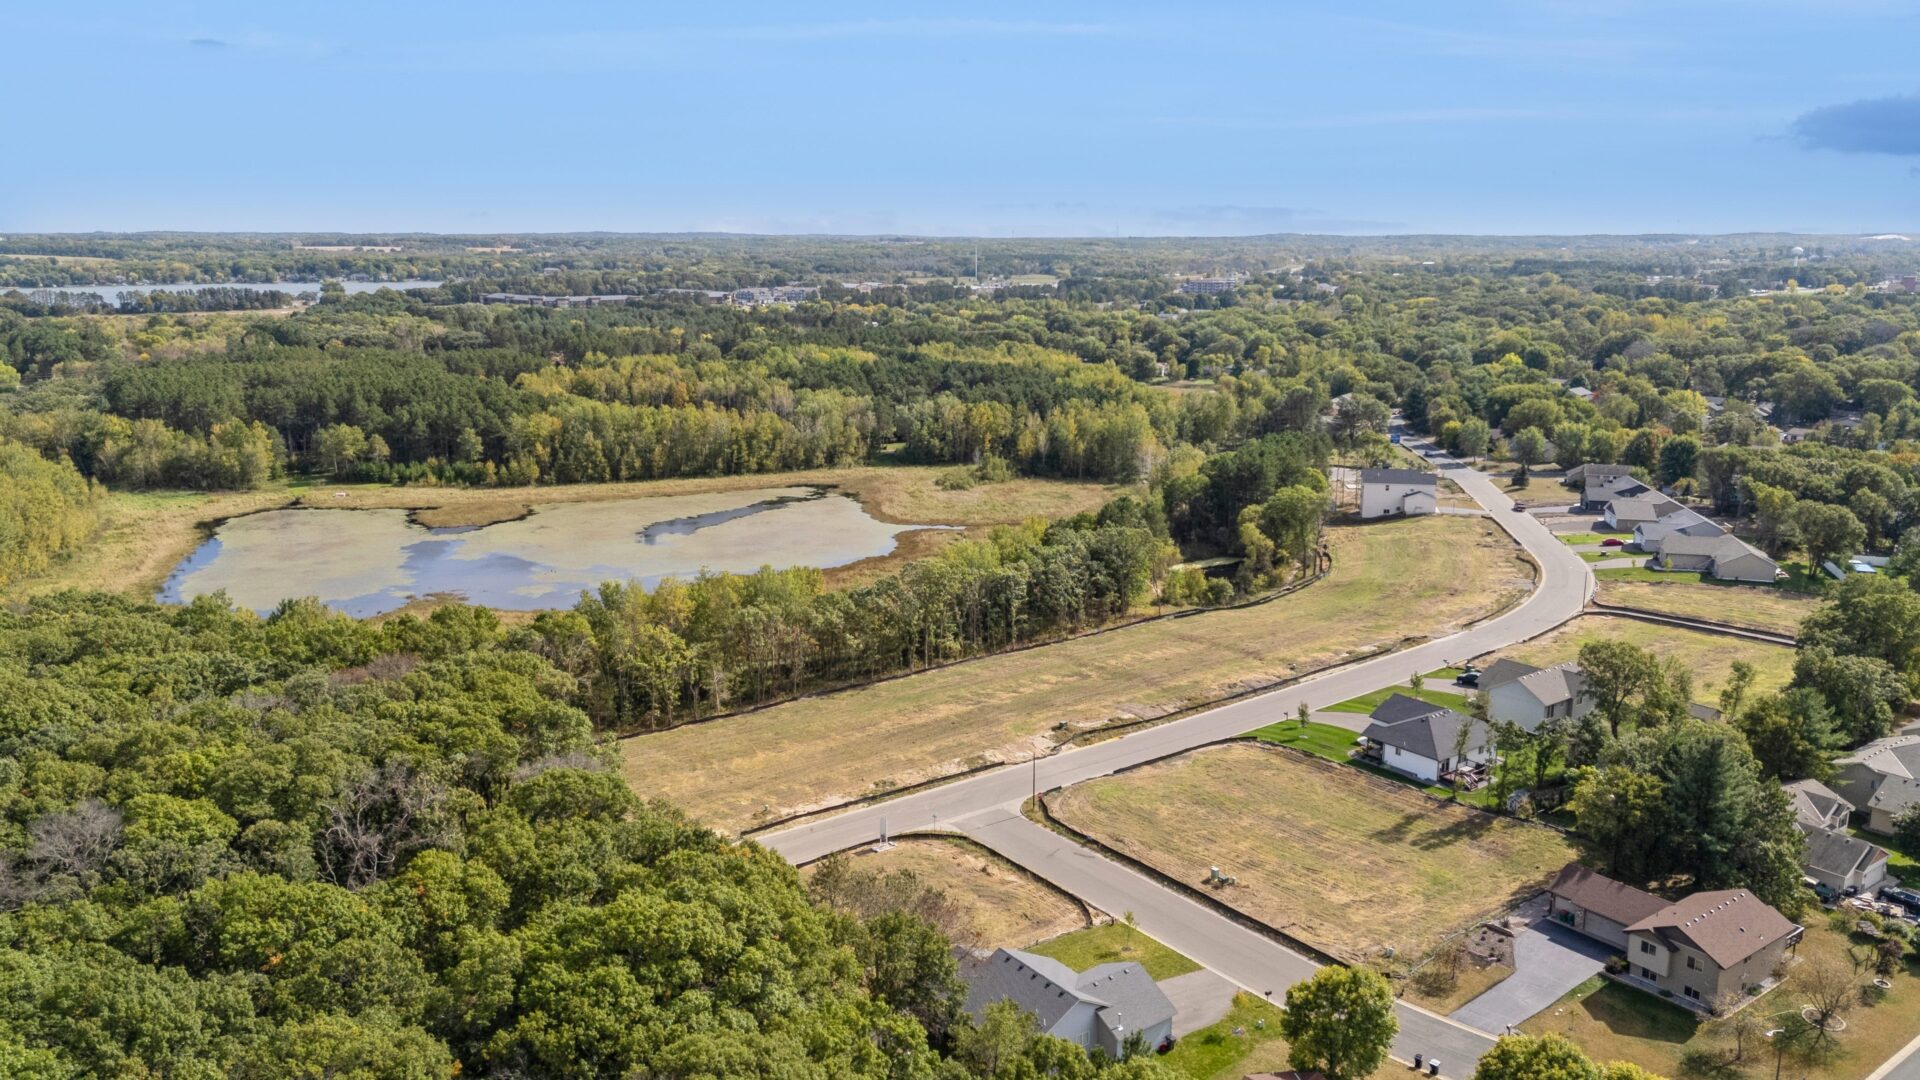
(1211, 286)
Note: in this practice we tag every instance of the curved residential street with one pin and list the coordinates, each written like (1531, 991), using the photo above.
(986, 806)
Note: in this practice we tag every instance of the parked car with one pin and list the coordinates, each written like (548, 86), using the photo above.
(1520, 507)
(1467, 677)
(1906, 898)
(1612, 541)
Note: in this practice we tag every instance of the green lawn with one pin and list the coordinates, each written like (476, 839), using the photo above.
(1320, 740)
(1901, 863)
(1368, 702)
(1610, 553)
(1583, 538)
(1337, 744)
(1115, 943)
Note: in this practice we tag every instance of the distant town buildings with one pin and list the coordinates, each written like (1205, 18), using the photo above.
(1211, 286)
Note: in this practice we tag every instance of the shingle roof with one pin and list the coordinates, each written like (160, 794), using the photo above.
(1398, 476)
(1400, 707)
(1126, 997)
(1729, 925)
(1429, 735)
(1651, 507)
(1834, 852)
(1504, 671)
(1721, 546)
(1553, 685)
(1896, 755)
(1896, 795)
(1816, 804)
(1604, 896)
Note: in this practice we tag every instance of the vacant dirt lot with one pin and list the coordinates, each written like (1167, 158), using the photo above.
(1420, 576)
(1004, 906)
(1347, 862)
(1709, 656)
(1776, 610)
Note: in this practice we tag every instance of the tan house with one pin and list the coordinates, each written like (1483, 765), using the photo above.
(1881, 780)
(1705, 949)
(1722, 556)
(1710, 947)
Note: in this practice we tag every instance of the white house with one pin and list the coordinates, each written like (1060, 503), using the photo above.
(1098, 1009)
(1398, 492)
(1627, 513)
(1529, 696)
(1418, 739)
(1841, 861)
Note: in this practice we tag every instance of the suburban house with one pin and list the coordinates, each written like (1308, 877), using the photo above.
(1881, 780)
(1842, 861)
(1599, 906)
(1628, 512)
(1597, 491)
(1647, 537)
(1398, 492)
(1702, 950)
(1528, 696)
(1595, 482)
(1817, 806)
(1100, 1009)
(1418, 739)
(1721, 556)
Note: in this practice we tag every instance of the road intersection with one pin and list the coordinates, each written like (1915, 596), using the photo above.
(986, 806)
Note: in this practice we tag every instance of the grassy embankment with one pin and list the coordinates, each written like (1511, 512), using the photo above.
(1004, 906)
(144, 535)
(1414, 578)
(1775, 610)
(1349, 863)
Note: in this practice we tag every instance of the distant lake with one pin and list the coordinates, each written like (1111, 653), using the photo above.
(112, 292)
(366, 562)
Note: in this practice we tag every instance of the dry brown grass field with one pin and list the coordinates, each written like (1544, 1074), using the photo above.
(1004, 906)
(1709, 656)
(1775, 610)
(1419, 577)
(1350, 863)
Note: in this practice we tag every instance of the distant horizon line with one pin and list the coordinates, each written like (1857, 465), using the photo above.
(7, 234)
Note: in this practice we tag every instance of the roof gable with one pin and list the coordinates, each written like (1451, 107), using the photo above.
(1399, 476)
(1610, 899)
(1728, 926)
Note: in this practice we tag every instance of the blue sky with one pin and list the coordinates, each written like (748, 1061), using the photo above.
(978, 119)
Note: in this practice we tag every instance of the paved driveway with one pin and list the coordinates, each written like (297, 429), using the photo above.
(1548, 961)
(1200, 999)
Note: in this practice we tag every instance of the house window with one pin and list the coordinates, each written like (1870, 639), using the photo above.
(1647, 947)
(1692, 965)
(1647, 974)
(1690, 992)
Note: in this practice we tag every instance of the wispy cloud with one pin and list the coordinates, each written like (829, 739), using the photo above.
(1889, 125)
(210, 43)
(1545, 48)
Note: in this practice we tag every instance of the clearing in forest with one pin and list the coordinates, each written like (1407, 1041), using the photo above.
(1391, 581)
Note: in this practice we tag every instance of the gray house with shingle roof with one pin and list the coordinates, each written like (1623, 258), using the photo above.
(1721, 555)
(1881, 780)
(1533, 696)
(1417, 738)
(1099, 1009)
(1841, 861)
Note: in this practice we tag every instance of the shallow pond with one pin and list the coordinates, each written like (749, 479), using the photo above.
(365, 562)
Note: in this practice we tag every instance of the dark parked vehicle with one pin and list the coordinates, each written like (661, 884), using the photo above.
(1906, 898)
(1467, 677)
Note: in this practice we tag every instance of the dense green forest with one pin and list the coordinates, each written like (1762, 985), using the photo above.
(309, 846)
(306, 845)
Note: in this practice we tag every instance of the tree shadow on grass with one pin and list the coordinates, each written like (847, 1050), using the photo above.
(1463, 829)
(1633, 1014)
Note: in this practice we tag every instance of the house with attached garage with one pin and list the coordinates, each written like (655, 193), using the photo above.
(1881, 780)
(1647, 537)
(1842, 861)
(1098, 1009)
(1817, 806)
(1628, 512)
(1398, 493)
(1529, 696)
(1724, 557)
(1423, 740)
(1709, 948)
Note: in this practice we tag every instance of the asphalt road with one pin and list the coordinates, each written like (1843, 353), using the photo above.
(985, 806)
(1562, 591)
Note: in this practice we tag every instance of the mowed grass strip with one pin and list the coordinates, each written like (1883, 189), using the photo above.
(1709, 656)
(1414, 577)
(1775, 610)
(1349, 863)
(1003, 905)
(1115, 943)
